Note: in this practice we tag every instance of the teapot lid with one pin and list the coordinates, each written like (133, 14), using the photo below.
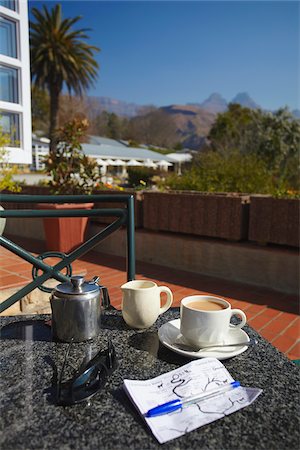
(77, 286)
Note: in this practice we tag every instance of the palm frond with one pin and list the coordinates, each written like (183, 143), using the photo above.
(59, 53)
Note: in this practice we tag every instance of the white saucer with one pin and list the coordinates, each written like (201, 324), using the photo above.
(170, 332)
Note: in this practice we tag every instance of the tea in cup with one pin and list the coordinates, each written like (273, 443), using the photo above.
(141, 302)
(205, 320)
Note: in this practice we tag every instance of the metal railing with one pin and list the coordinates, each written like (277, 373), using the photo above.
(124, 216)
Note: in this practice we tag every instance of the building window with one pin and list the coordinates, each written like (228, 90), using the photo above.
(9, 84)
(10, 124)
(10, 4)
(8, 42)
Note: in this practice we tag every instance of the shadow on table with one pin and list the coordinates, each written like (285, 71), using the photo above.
(148, 341)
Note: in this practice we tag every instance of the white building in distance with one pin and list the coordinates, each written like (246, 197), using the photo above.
(108, 153)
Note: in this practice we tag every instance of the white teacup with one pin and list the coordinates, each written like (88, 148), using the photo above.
(141, 304)
(205, 320)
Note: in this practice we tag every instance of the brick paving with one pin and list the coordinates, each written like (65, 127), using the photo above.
(273, 314)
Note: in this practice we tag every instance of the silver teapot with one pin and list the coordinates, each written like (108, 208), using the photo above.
(76, 309)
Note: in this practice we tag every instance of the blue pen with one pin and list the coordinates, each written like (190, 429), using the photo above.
(173, 405)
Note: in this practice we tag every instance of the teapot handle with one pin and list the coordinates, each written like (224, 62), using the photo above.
(105, 297)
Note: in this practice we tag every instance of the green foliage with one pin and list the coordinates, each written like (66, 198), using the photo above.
(233, 172)
(6, 170)
(72, 172)
(178, 146)
(139, 176)
(273, 137)
(162, 151)
(132, 143)
(250, 151)
(230, 129)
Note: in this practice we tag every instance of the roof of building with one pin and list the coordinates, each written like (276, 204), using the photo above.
(180, 157)
(105, 148)
(122, 152)
(98, 140)
(38, 140)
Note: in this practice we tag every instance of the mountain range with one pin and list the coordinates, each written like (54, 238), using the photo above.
(214, 104)
(193, 121)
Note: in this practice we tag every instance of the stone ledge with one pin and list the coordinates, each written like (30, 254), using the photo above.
(264, 266)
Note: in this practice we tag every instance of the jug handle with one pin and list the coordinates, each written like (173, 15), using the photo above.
(169, 301)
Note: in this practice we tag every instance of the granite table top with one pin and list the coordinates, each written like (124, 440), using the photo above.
(30, 418)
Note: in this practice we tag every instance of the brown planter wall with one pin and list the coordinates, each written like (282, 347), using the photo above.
(138, 207)
(221, 216)
(26, 190)
(274, 220)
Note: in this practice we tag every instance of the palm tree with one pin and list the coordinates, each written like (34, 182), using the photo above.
(60, 58)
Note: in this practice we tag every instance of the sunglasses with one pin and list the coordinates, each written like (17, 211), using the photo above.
(88, 379)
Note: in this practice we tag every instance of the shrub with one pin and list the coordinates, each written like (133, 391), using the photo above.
(233, 172)
(139, 176)
(71, 170)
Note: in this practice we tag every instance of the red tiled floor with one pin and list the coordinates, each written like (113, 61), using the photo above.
(294, 351)
(7, 261)
(294, 330)
(270, 313)
(255, 309)
(8, 280)
(283, 343)
(3, 272)
(275, 315)
(257, 322)
(279, 324)
(268, 335)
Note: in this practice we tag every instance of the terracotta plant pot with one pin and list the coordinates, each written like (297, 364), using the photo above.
(64, 234)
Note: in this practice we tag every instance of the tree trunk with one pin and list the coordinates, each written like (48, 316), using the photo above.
(54, 106)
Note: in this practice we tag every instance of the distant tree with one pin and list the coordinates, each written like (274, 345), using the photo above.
(275, 137)
(250, 151)
(60, 57)
(40, 110)
(154, 128)
(272, 137)
(230, 129)
(100, 124)
(109, 125)
(114, 126)
(72, 107)
(178, 146)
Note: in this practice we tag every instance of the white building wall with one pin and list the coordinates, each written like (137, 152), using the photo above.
(21, 154)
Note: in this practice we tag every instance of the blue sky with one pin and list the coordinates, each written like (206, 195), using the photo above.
(170, 52)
